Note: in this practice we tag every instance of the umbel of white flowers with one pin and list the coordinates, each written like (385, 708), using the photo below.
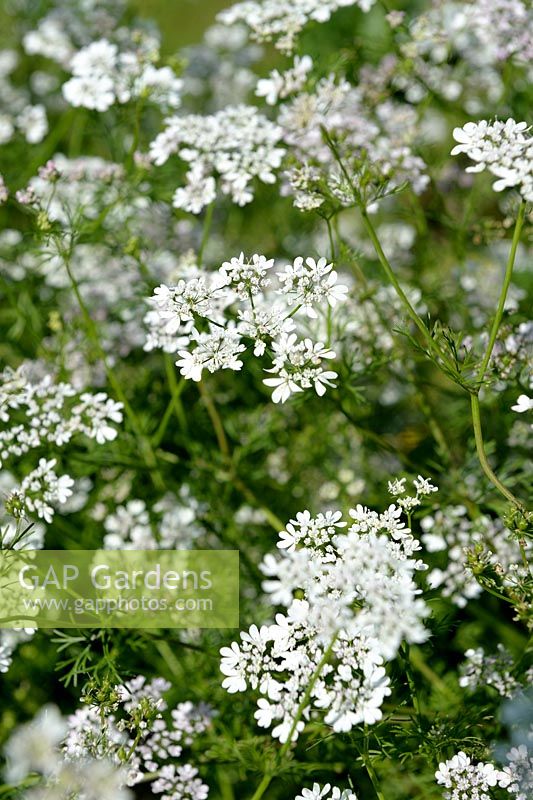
(503, 148)
(337, 636)
(208, 318)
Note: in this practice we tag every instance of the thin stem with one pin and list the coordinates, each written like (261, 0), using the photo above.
(476, 418)
(365, 757)
(482, 456)
(331, 240)
(474, 398)
(419, 663)
(304, 702)
(216, 421)
(503, 294)
(433, 346)
(263, 786)
(176, 388)
(373, 777)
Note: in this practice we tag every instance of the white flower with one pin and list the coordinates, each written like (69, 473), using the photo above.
(310, 282)
(480, 669)
(216, 350)
(519, 772)
(40, 491)
(504, 148)
(198, 192)
(298, 366)
(282, 85)
(33, 123)
(356, 585)
(263, 323)
(235, 146)
(103, 76)
(33, 746)
(52, 413)
(523, 404)
(247, 276)
(465, 779)
(283, 386)
(423, 486)
(90, 92)
(282, 21)
(49, 39)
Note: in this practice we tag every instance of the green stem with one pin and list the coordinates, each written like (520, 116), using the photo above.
(503, 294)
(367, 761)
(433, 346)
(267, 778)
(263, 786)
(176, 388)
(163, 425)
(216, 421)
(474, 398)
(331, 240)
(482, 456)
(373, 777)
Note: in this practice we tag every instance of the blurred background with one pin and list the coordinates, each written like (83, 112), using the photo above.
(181, 21)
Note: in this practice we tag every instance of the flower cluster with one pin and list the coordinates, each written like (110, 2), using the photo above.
(503, 27)
(135, 730)
(16, 110)
(237, 144)
(103, 76)
(358, 602)
(191, 314)
(38, 412)
(462, 778)
(456, 50)
(39, 492)
(36, 748)
(373, 146)
(280, 21)
(519, 771)
(281, 85)
(504, 148)
(408, 502)
(451, 532)
(173, 524)
(66, 27)
(75, 187)
(318, 792)
(481, 670)
(50, 412)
